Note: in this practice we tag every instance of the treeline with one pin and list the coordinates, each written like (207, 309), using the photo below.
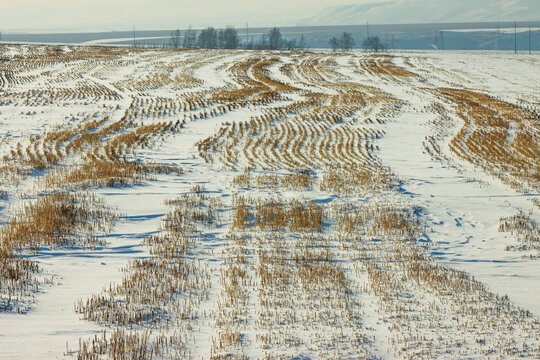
(346, 43)
(228, 38)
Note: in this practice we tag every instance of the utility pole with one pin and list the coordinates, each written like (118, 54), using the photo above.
(392, 41)
(134, 36)
(442, 40)
(515, 37)
(497, 36)
(247, 35)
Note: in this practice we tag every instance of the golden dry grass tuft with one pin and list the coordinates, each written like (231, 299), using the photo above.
(500, 137)
(55, 220)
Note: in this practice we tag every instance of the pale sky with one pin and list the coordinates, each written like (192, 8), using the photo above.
(109, 15)
(16, 15)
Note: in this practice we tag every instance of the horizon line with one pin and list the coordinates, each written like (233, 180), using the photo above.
(67, 31)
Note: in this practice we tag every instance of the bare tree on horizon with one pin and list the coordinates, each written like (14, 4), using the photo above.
(334, 43)
(190, 38)
(373, 43)
(175, 39)
(275, 40)
(228, 38)
(345, 42)
(208, 38)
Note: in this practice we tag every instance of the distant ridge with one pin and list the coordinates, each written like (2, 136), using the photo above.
(423, 36)
(427, 11)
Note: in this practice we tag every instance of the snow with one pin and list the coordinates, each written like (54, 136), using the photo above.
(464, 207)
(461, 204)
(124, 39)
(502, 31)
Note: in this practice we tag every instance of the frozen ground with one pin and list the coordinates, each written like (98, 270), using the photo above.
(461, 203)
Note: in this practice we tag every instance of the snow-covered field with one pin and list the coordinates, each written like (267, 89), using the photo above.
(215, 204)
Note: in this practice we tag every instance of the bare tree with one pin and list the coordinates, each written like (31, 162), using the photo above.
(275, 41)
(301, 44)
(175, 39)
(347, 41)
(373, 43)
(190, 39)
(228, 38)
(250, 45)
(208, 38)
(335, 43)
(263, 45)
(290, 44)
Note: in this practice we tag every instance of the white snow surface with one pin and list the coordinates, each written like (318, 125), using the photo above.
(461, 204)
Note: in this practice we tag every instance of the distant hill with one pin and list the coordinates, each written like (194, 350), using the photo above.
(427, 11)
(447, 36)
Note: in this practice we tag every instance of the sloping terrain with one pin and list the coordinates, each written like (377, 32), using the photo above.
(425, 11)
(216, 204)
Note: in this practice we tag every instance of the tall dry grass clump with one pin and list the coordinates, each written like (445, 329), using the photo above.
(526, 231)
(500, 137)
(275, 215)
(58, 219)
(55, 220)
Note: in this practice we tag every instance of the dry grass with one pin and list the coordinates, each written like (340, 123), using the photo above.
(300, 181)
(255, 273)
(500, 137)
(273, 215)
(160, 292)
(321, 131)
(56, 220)
(526, 231)
(383, 65)
(357, 180)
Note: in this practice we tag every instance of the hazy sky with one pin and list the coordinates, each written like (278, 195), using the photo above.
(151, 14)
(105, 15)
